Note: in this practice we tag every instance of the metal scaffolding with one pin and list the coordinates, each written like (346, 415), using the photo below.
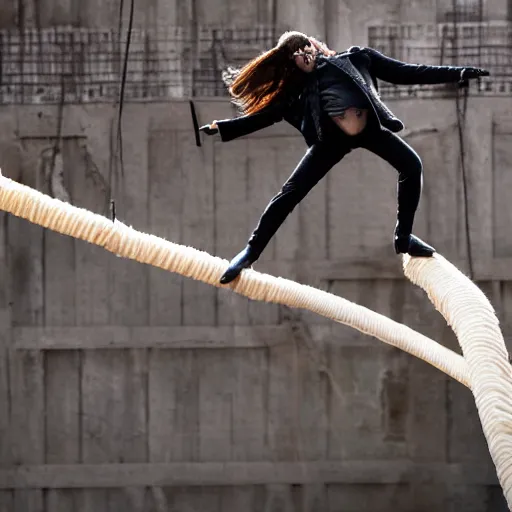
(38, 66)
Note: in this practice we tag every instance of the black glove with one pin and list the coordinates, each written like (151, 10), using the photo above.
(208, 129)
(470, 72)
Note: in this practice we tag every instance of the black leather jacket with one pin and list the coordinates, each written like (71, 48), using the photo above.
(364, 66)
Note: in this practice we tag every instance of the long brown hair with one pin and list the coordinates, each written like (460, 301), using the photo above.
(270, 76)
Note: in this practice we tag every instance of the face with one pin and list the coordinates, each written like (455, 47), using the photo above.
(305, 58)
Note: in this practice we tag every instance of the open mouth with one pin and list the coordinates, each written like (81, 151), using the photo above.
(306, 56)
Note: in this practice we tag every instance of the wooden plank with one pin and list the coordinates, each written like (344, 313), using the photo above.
(62, 399)
(92, 500)
(5, 343)
(128, 280)
(426, 497)
(284, 439)
(427, 415)
(28, 500)
(55, 338)
(466, 441)
(248, 497)
(503, 305)
(27, 405)
(231, 223)
(380, 472)
(10, 148)
(183, 499)
(313, 392)
(63, 500)
(279, 497)
(27, 420)
(438, 219)
(26, 371)
(114, 404)
(198, 225)
(364, 383)
(173, 406)
(89, 189)
(314, 498)
(59, 250)
(502, 183)
(368, 498)
(26, 248)
(132, 498)
(59, 277)
(249, 400)
(6, 433)
(355, 429)
(7, 501)
(498, 269)
(394, 402)
(346, 269)
(479, 148)
(74, 338)
(114, 401)
(477, 498)
(165, 210)
(216, 384)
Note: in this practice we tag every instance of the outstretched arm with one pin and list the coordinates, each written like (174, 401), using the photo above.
(398, 72)
(230, 129)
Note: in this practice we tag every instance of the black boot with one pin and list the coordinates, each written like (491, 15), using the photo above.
(413, 245)
(243, 259)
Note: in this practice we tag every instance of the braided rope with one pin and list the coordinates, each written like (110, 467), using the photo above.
(124, 241)
(471, 316)
(485, 367)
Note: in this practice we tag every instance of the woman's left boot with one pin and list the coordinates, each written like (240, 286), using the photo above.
(244, 259)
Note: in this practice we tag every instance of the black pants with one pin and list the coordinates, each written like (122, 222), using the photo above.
(321, 157)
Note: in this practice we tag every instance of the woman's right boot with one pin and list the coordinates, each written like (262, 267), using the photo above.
(413, 245)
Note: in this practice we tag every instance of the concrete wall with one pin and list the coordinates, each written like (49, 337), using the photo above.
(340, 22)
(118, 380)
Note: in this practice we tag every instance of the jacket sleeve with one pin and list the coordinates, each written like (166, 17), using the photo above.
(230, 129)
(398, 72)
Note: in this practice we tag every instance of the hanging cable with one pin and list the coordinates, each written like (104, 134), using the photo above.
(123, 78)
(461, 126)
(119, 137)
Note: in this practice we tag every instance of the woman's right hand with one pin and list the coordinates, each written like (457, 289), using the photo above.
(209, 129)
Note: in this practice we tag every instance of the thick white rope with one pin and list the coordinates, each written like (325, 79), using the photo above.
(471, 316)
(485, 369)
(122, 240)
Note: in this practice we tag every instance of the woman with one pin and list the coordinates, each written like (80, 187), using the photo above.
(332, 99)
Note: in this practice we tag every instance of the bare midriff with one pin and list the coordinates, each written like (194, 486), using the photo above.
(353, 120)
